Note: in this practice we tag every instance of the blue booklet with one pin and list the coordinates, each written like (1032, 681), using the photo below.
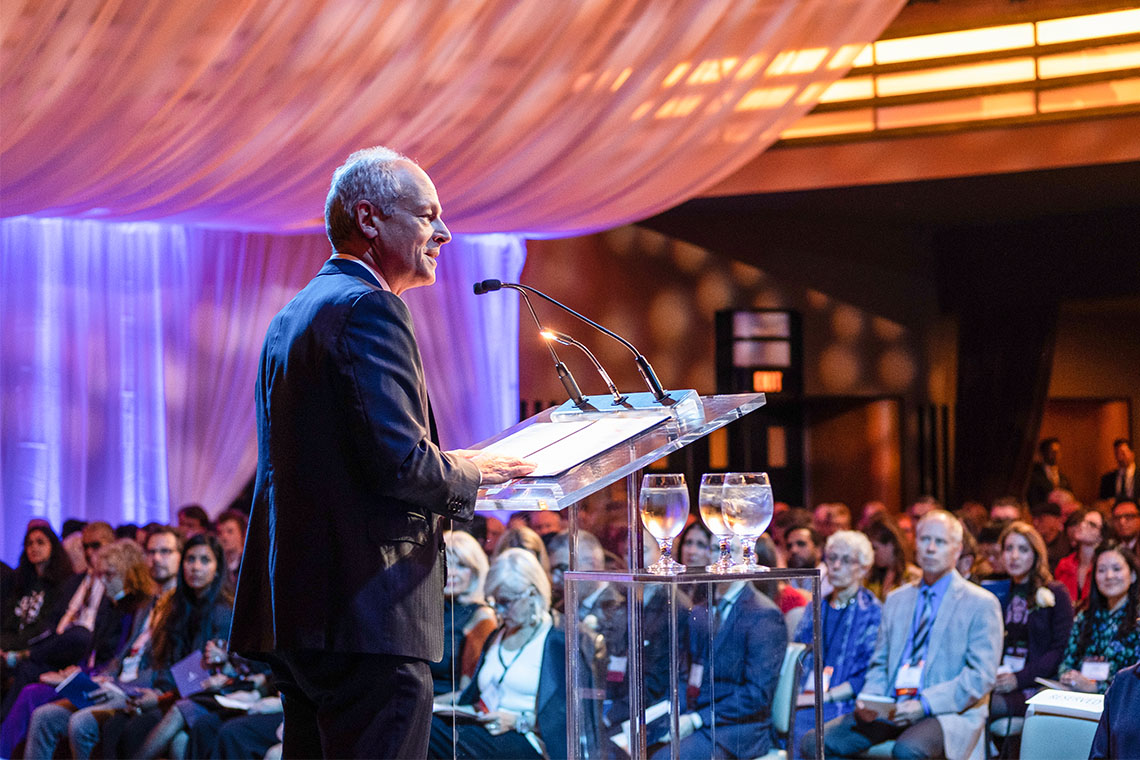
(190, 676)
(80, 690)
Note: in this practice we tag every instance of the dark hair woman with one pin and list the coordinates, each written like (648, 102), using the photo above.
(1105, 636)
(890, 568)
(34, 602)
(1085, 529)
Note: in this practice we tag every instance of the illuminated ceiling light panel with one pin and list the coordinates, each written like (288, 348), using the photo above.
(957, 77)
(966, 42)
(792, 62)
(1090, 61)
(1121, 92)
(851, 88)
(764, 98)
(1088, 27)
(831, 123)
(979, 108)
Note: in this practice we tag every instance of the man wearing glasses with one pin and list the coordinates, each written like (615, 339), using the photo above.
(1126, 522)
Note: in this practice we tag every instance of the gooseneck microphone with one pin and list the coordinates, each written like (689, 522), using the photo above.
(643, 365)
(566, 340)
(563, 371)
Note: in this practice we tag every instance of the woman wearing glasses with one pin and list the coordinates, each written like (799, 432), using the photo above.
(519, 689)
(849, 623)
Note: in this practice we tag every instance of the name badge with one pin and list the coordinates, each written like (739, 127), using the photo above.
(909, 678)
(616, 671)
(1011, 663)
(130, 670)
(696, 673)
(1095, 670)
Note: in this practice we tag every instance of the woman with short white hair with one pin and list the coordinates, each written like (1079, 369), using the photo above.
(519, 688)
(849, 622)
(467, 619)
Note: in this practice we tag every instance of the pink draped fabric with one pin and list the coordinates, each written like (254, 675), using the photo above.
(536, 117)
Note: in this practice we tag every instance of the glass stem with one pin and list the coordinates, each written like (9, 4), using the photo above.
(667, 548)
(749, 557)
(725, 551)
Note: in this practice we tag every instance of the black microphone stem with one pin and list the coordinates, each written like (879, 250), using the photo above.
(564, 375)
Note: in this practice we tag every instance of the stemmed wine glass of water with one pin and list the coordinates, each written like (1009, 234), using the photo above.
(664, 506)
(709, 500)
(747, 505)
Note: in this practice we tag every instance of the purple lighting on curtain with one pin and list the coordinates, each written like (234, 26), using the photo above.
(128, 355)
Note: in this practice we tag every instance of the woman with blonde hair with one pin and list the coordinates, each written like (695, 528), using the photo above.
(467, 618)
(1038, 616)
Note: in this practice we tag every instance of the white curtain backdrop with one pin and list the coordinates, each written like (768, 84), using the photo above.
(128, 356)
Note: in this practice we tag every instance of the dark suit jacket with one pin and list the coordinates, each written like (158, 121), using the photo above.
(344, 551)
(550, 700)
(1118, 733)
(1108, 485)
(1049, 629)
(1040, 486)
(748, 651)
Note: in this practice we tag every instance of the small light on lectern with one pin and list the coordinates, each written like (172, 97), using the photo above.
(767, 381)
(547, 335)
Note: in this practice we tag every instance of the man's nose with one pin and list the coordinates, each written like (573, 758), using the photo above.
(442, 234)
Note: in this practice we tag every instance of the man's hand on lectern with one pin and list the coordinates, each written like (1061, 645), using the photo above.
(494, 468)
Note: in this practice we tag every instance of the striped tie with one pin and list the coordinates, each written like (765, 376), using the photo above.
(922, 632)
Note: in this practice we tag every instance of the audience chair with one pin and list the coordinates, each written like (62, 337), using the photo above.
(1060, 724)
(784, 699)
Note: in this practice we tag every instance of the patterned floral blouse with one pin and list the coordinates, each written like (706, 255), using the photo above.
(1104, 643)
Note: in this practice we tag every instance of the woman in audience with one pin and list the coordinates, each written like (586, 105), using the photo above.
(1038, 617)
(122, 567)
(890, 569)
(519, 687)
(1105, 635)
(849, 623)
(522, 537)
(697, 546)
(34, 602)
(467, 620)
(1085, 528)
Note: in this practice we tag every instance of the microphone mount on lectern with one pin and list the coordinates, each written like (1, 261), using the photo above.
(643, 365)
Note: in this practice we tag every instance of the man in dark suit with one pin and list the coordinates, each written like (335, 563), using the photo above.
(1121, 482)
(341, 582)
(738, 669)
(1046, 475)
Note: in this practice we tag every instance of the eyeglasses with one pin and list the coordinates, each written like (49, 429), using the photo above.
(559, 569)
(1127, 516)
(833, 559)
(93, 546)
(504, 603)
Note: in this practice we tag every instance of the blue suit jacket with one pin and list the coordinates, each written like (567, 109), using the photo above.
(748, 651)
(344, 551)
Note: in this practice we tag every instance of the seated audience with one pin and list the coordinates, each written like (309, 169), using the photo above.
(1105, 635)
(1038, 617)
(804, 549)
(872, 510)
(990, 567)
(163, 547)
(1085, 529)
(792, 602)
(1118, 732)
(697, 546)
(522, 537)
(890, 569)
(89, 625)
(968, 560)
(37, 599)
(467, 619)
(519, 688)
(936, 657)
(830, 517)
(782, 523)
(849, 623)
(545, 523)
(129, 586)
(1006, 509)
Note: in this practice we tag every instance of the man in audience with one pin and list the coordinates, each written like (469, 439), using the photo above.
(871, 510)
(1121, 482)
(1065, 500)
(230, 528)
(803, 546)
(164, 555)
(1046, 474)
(1006, 509)
(1050, 524)
(936, 657)
(992, 566)
(1126, 522)
(795, 517)
(192, 520)
(546, 523)
(921, 506)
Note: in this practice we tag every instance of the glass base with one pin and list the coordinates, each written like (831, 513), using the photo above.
(665, 566)
(749, 567)
(722, 565)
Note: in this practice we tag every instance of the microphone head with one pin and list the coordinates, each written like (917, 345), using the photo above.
(488, 285)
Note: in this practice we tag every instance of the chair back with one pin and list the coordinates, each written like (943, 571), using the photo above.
(788, 687)
(1060, 724)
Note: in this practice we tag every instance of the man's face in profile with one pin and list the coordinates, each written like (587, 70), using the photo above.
(409, 239)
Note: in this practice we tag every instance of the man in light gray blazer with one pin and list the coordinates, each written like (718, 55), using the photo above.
(936, 656)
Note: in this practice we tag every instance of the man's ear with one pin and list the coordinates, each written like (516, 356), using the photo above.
(367, 219)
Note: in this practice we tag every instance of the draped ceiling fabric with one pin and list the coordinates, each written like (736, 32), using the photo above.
(533, 118)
